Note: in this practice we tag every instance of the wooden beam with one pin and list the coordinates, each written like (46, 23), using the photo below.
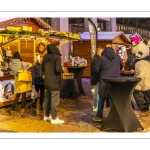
(2, 44)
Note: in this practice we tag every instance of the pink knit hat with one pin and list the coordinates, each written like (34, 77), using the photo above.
(135, 39)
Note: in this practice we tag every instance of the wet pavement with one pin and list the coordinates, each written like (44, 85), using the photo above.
(77, 114)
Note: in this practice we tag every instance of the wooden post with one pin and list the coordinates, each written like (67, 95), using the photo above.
(34, 51)
(19, 45)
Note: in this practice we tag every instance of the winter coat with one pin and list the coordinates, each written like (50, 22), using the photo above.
(37, 74)
(51, 66)
(131, 61)
(20, 87)
(94, 77)
(109, 64)
(16, 65)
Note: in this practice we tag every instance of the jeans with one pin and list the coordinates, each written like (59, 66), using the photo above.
(40, 88)
(52, 100)
(16, 101)
(101, 106)
(96, 95)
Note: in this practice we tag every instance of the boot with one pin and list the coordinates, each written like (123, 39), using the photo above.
(22, 112)
(34, 103)
(41, 106)
(107, 102)
(145, 108)
(11, 112)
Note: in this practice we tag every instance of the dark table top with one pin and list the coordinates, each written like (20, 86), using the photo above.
(121, 79)
(127, 73)
(77, 67)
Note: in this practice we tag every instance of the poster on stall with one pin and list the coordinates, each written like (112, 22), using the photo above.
(7, 90)
(93, 37)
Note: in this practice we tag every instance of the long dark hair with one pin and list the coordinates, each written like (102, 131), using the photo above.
(17, 56)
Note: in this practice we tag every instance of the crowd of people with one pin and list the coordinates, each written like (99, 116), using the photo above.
(46, 75)
(108, 63)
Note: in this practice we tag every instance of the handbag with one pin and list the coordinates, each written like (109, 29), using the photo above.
(24, 75)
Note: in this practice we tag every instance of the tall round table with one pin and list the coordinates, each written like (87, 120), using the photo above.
(78, 71)
(121, 116)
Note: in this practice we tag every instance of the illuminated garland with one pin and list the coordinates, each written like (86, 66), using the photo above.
(61, 35)
(16, 33)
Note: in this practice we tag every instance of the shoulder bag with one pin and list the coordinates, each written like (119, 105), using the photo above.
(24, 75)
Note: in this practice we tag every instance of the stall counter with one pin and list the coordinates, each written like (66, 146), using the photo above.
(7, 91)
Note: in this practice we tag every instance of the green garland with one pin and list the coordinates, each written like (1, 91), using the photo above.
(15, 33)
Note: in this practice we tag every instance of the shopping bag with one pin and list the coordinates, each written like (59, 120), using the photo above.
(34, 94)
(24, 75)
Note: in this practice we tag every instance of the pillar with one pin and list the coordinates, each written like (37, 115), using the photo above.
(86, 26)
(111, 26)
(55, 23)
(62, 24)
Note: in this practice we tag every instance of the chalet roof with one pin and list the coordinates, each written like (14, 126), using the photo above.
(115, 37)
(15, 21)
(43, 23)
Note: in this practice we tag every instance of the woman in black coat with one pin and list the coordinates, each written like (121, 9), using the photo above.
(38, 81)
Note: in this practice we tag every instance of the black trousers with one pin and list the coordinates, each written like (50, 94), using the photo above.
(16, 100)
(142, 98)
(40, 88)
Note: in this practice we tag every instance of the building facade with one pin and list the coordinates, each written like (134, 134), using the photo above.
(79, 25)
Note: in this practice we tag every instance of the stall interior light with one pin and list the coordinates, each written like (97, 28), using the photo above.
(41, 39)
(120, 51)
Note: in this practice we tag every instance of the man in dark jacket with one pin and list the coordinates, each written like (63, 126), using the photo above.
(109, 64)
(94, 78)
(52, 70)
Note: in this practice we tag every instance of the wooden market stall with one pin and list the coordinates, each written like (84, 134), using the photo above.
(29, 36)
(83, 49)
(25, 44)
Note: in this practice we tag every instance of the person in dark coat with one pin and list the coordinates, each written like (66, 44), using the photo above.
(109, 64)
(94, 78)
(51, 65)
(38, 81)
(130, 63)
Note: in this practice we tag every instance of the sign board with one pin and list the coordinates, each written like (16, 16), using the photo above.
(93, 37)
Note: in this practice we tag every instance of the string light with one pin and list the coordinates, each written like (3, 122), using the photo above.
(24, 21)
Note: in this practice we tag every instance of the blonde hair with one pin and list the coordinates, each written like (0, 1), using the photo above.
(99, 51)
(108, 45)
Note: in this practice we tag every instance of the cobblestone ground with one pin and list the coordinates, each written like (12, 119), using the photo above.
(77, 114)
